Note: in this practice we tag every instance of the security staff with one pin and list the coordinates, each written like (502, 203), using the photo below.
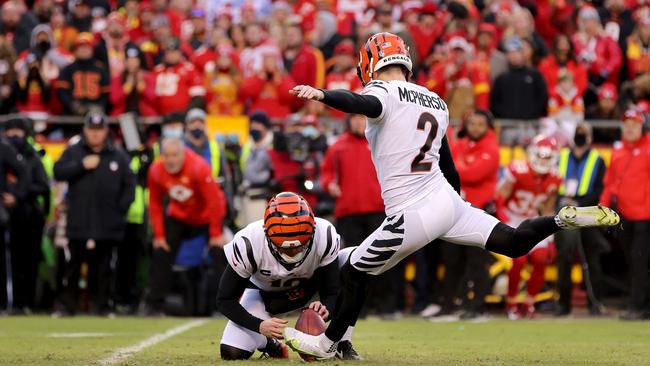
(582, 170)
(101, 187)
(13, 186)
(131, 250)
(197, 139)
(27, 218)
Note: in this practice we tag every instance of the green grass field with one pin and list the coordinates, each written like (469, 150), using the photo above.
(47, 341)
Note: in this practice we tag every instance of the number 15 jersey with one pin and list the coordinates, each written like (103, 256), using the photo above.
(405, 141)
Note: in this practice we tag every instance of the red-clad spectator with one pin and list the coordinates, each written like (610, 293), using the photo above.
(352, 182)
(131, 11)
(196, 206)
(222, 81)
(427, 31)
(344, 73)
(142, 30)
(268, 90)
(171, 11)
(304, 63)
(463, 84)
(594, 48)
(564, 102)
(486, 50)
(258, 46)
(64, 34)
(638, 46)
(206, 56)
(553, 18)
(606, 108)
(563, 58)
(618, 20)
(627, 190)
(477, 159)
(38, 69)
(178, 85)
(134, 89)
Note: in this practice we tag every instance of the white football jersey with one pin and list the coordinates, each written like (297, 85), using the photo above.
(250, 256)
(405, 141)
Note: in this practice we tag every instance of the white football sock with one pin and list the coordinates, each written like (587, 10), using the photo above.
(325, 343)
(348, 334)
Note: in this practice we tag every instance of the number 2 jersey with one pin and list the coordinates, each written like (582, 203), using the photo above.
(405, 141)
(250, 256)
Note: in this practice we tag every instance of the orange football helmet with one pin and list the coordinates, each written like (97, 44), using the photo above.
(380, 50)
(289, 227)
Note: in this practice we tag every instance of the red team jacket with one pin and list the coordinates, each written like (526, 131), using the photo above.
(357, 178)
(194, 197)
(628, 179)
(176, 86)
(477, 163)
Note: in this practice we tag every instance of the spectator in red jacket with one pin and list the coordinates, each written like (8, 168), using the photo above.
(563, 58)
(258, 45)
(304, 62)
(268, 90)
(427, 31)
(487, 52)
(476, 154)
(134, 89)
(178, 86)
(626, 189)
(599, 52)
(349, 176)
(344, 73)
(457, 79)
(143, 31)
(196, 206)
(353, 183)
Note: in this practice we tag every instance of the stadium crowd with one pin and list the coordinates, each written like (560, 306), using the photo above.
(143, 226)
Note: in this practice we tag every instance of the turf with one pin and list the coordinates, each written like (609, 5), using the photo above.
(30, 341)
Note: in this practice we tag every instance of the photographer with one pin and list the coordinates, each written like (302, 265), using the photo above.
(296, 157)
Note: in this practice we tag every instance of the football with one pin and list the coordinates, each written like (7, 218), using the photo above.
(311, 323)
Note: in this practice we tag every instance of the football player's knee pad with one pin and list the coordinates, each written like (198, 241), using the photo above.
(230, 353)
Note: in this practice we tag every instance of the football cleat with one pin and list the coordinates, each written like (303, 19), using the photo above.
(275, 349)
(572, 217)
(345, 351)
(307, 344)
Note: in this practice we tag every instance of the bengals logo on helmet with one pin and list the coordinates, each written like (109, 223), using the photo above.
(381, 50)
(289, 226)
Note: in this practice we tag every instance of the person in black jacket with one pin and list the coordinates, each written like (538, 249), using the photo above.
(520, 92)
(101, 187)
(83, 84)
(582, 170)
(11, 169)
(27, 218)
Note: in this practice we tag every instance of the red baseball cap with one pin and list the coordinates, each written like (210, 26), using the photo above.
(344, 48)
(84, 39)
(607, 91)
(632, 114)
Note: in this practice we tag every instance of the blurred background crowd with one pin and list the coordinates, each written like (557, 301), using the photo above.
(83, 229)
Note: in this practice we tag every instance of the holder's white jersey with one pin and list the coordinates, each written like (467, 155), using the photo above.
(405, 141)
(250, 256)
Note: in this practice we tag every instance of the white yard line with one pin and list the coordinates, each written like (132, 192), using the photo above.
(122, 354)
(78, 335)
